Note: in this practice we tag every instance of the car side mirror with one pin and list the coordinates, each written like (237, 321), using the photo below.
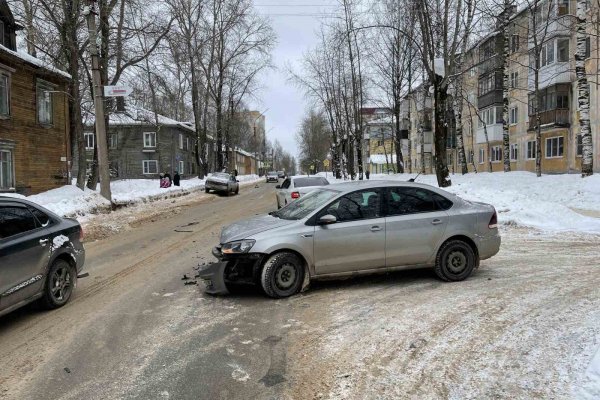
(237, 181)
(327, 220)
(278, 187)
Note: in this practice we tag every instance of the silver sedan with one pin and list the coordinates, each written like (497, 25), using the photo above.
(222, 182)
(355, 228)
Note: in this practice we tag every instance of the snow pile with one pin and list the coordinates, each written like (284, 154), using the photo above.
(69, 201)
(591, 387)
(551, 202)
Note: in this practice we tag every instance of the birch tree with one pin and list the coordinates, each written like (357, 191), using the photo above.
(583, 93)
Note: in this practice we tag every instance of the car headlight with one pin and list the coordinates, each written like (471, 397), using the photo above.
(237, 247)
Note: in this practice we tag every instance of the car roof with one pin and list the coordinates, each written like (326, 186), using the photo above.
(22, 201)
(367, 184)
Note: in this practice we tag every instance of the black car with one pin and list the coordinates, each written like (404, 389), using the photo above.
(41, 255)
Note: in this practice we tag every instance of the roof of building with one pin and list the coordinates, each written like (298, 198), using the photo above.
(375, 110)
(135, 116)
(34, 62)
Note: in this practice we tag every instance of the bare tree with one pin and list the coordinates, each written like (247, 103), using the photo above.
(583, 91)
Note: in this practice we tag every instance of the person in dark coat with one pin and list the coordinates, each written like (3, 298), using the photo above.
(176, 178)
(367, 173)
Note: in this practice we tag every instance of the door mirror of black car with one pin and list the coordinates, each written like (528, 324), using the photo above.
(237, 181)
(278, 187)
(327, 220)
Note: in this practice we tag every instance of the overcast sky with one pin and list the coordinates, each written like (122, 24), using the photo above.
(296, 23)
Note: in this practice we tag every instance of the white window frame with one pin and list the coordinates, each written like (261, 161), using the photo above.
(146, 167)
(6, 75)
(150, 144)
(533, 146)
(113, 141)
(11, 169)
(44, 104)
(514, 79)
(496, 154)
(481, 156)
(513, 115)
(514, 152)
(181, 141)
(181, 167)
(558, 142)
(86, 136)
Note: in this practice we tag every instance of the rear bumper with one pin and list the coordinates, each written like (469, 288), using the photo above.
(489, 246)
(217, 186)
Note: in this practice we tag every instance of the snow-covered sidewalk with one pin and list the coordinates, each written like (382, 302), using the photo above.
(71, 202)
(549, 203)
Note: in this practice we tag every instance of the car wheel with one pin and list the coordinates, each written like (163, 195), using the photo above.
(455, 261)
(282, 275)
(237, 190)
(207, 190)
(60, 283)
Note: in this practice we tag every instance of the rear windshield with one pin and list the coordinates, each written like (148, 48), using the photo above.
(220, 175)
(272, 173)
(304, 182)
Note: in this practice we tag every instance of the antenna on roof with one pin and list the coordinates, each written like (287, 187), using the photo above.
(415, 178)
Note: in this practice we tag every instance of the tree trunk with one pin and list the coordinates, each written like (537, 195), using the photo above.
(583, 98)
(505, 51)
(441, 133)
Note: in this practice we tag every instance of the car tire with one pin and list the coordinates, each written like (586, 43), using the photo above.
(282, 275)
(207, 190)
(455, 261)
(59, 286)
(237, 190)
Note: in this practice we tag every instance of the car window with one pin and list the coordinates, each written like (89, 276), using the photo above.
(306, 205)
(221, 175)
(409, 200)
(304, 182)
(15, 220)
(362, 204)
(42, 219)
(286, 184)
(442, 202)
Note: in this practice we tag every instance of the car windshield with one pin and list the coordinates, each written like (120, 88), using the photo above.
(315, 181)
(220, 175)
(272, 173)
(304, 206)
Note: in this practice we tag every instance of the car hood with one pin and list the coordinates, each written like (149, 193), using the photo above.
(248, 227)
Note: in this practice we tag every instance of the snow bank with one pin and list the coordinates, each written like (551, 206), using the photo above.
(70, 201)
(546, 203)
(591, 387)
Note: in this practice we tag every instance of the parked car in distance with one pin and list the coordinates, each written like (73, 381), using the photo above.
(222, 182)
(272, 176)
(295, 187)
(355, 228)
(41, 255)
(281, 174)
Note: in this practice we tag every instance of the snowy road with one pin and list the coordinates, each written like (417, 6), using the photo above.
(526, 325)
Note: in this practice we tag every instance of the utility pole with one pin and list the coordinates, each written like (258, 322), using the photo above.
(90, 14)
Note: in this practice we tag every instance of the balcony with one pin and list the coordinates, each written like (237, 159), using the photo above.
(494, 131)
(550, 75)
(426, 147)
(490, 98)
(562, 25)
(551, 118)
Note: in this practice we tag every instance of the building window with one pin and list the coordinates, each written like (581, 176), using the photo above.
(379, 143)
(514, 43)
(554, 147)
(150, 167)
(190, 167)
(514, 79)
(563, 49)
(187, 143)
(547, 56)
(579, 146)
(181, 141)
(181, 165)
(514, 152)
(531, 149)
(2, 33)
(481, 156)
(4, 94)
(489, 116)
(513, 115)
(487, 84)
(45, 104)
(149, 139)
(113, 141)
(90, 140)
(563, 7)
(7, 181)
(496, 154)
(470, 157)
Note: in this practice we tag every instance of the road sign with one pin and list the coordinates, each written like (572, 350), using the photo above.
(117, 91)
(326, 163)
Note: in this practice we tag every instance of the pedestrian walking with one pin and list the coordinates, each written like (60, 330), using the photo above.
(176, 178)
(367, 173)
(168, 179)
(163, 181)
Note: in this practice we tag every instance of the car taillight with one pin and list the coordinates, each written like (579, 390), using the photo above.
(80, 234)
(493, 221)
(295, 195)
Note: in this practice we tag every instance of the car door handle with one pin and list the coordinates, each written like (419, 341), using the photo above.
(375, 228)
(44, 242)
(307, 235)
(436, 222)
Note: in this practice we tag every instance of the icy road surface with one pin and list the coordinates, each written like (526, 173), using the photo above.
(526, 325)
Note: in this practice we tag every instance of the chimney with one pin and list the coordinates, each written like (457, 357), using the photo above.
(121, 104)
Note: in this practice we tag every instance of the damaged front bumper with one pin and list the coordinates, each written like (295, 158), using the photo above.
(214, 278)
